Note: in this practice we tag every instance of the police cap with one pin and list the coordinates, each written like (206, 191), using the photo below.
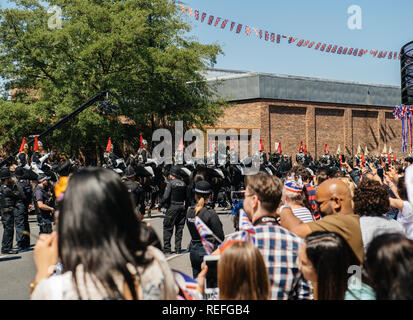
(5, 173)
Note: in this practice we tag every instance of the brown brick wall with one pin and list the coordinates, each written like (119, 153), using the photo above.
(316, 124)
(329, 128)
(288, 125)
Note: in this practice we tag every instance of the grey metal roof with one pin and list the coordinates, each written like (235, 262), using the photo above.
(243, 85)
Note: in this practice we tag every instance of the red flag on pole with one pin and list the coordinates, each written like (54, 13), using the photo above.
(261, 146)
(36, 144)
(140, 141)
(109, 146)
(181, 145)
(22, 145)
(232, 147)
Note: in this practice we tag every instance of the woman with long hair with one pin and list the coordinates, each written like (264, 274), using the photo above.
(324, 259)
(99, 245)
(209, 217)
(389, 264)
(242, 273)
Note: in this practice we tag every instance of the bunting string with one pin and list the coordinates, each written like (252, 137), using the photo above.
(277, 38)
(404, 113)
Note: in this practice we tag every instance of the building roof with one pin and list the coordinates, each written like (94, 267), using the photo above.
(236, 85)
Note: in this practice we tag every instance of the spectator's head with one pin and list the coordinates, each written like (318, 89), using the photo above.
(389, 263)
(262, 195)
(371, 199)
(401, 189)
(242, 273)
(300, 171)
(293, 192)
(322, 175)
(334, 197)
(99, 230)
(324, 258)
(351, 185)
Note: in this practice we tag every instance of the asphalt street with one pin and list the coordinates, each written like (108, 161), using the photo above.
(17, 271)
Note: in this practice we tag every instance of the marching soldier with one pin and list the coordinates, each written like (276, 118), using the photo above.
(42, 198)
(143, 153)
(23, 191)
(7, 207)
(174, 200)
(135, 189)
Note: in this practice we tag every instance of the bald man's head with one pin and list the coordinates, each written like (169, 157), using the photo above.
(334, 197)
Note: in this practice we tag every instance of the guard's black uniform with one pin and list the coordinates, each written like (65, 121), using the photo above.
(44, 218)
(197, 252)
(136, 191)
(7, 205)
(174, 199)
(23, 191)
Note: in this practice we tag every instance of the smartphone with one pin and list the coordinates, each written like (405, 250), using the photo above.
(211, 291)
(237, 195)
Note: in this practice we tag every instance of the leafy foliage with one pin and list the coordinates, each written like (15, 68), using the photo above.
(136, 48)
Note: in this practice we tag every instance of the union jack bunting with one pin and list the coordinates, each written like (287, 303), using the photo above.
(204, 231)
(224, 23)
(246, 225)
(217, 21)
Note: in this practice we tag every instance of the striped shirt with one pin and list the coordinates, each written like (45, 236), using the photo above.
(311, 197)
(303, 214)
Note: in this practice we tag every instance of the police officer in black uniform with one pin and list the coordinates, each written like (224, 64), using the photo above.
(7, 206)
(209, 217)
(174, 200)
(134, 188)
(43, 201)
(24, 193)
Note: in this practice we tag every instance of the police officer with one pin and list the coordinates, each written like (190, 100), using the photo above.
(135, 189)
(209, 217)
(42, 202)
(7, 205)
(23, 191)
(174, 200)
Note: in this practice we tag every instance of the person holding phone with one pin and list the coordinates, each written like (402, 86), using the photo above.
(209, 217)
(240, 273)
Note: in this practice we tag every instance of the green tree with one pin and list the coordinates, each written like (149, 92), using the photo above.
(139, 49)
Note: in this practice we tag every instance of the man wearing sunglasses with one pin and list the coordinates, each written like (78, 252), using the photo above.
(333, 199)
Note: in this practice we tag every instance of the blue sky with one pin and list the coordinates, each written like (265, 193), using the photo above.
(385, 26)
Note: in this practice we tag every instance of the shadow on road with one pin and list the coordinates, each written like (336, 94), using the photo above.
(2, 259)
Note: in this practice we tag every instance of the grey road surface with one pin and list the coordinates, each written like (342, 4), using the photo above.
(17, 271)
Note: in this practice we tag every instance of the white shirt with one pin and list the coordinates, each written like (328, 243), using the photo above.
(405, 218)
(372, 226)
(156, 282)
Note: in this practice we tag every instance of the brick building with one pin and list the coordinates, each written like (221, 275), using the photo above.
(290, 109)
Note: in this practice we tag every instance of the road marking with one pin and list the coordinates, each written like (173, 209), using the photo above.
(176, 256)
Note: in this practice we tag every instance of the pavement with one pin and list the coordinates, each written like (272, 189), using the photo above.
(18, 271)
